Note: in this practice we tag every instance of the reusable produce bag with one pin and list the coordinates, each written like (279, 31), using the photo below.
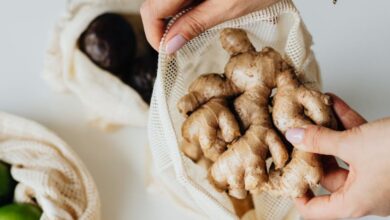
(279, 26)
(48, 172)
(109, 102)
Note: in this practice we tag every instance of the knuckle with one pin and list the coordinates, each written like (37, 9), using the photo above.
(315, 138)
(195, 25)
(351, 134)
(355, 131)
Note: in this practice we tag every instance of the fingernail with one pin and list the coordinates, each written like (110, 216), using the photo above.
(295, 135)
(175, 44)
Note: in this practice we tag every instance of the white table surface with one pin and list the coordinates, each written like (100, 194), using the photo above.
(352, 47)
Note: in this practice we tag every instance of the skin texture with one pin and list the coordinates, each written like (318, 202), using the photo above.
(203, 15)
(208, 130)
(250, 77)
(363, 189)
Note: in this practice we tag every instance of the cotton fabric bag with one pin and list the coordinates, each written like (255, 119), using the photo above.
(48, 172)
(109, 103)
(279, 26)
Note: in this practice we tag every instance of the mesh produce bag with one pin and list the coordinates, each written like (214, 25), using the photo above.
(48, 172)
(279, 26)
(109, 102)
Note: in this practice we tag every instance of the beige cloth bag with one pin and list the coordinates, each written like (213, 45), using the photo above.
(279, 26)
(48, 172)
(109, 103)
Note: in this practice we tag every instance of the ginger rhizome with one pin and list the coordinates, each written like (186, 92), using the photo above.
(295, 106)
(240, 161)
(208, 130)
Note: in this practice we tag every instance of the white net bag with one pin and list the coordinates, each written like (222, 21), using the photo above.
(109, 102)
(48, 172)
(279, 26)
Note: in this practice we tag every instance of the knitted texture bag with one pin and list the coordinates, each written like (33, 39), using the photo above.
(108, 101)
(279, 26)
(48, 172)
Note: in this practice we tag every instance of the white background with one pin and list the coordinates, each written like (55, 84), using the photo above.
(351, 43)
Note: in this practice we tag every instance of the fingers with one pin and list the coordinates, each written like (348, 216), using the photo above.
(203, 16)
(206, 15)
(348, 117)
(333, 180)
(322, 140)
(318, 140)
(322, 207)
(194, 22)
(334, 177)
(154, 13)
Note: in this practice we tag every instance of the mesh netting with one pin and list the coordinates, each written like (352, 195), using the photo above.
(278, 26)
(48, 172)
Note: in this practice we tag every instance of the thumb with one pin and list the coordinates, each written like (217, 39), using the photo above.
(317, 139)
(194, 22)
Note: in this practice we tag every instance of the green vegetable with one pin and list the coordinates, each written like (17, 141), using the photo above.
(7, 184)
(20, 212)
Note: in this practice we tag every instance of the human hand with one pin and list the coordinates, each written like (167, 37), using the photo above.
(365, 147)
(204, 14)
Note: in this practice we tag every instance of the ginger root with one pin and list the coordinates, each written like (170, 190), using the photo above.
(249, 78)
(203, 89)
(208, 130)
(295, 106)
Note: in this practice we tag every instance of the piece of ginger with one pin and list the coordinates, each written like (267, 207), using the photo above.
(295, 106)
(250, 77)
(208, 130)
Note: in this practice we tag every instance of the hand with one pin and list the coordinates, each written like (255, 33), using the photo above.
(365, 147)
(203, 15)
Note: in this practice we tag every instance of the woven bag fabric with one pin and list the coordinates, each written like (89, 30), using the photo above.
(47, 170)
(109, 103)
